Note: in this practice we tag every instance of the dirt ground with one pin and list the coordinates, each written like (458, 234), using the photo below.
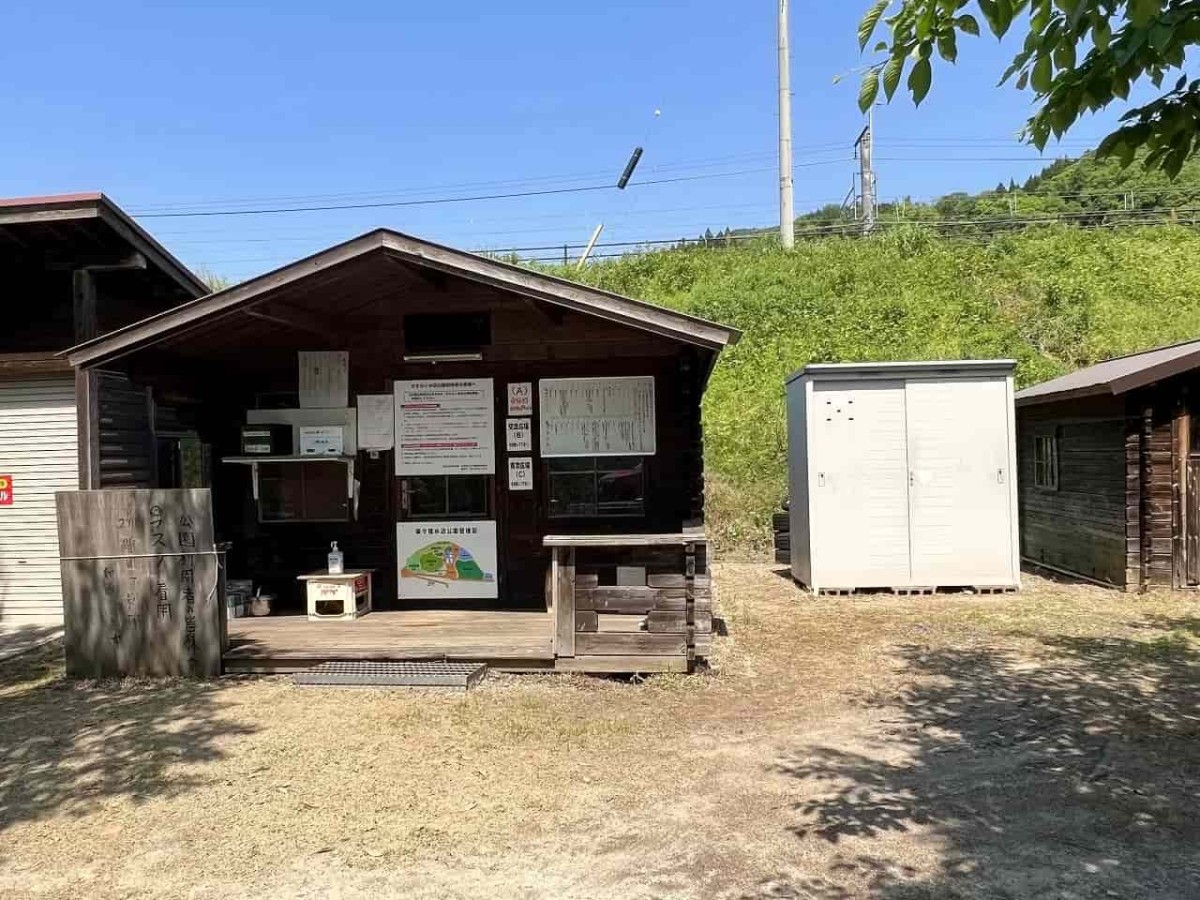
(1040, 745)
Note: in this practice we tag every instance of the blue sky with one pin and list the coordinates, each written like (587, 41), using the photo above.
(180, 108)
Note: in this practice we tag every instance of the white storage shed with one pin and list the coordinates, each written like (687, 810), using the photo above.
(903, 475)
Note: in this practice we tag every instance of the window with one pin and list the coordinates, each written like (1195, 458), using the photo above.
(596, 486)
(445, 497)
(446, 332)
(1045, 461)
(303, 492)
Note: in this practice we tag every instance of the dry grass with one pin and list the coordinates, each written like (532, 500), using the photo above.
(958, 746)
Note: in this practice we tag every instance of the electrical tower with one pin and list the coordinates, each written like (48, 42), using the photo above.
(866, 174)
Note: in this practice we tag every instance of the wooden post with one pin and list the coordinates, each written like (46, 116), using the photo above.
(1180, 439)
(689, 602)
(84, 292)
(562, 579)
(87, 417)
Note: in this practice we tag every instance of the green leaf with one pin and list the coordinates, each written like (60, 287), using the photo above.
(919, 80)
(868, 90)
(1141, 12)
(891, 75)
(866, 27)
(947, 46)
(1160, 36)
(999, 15)
(988, 8)
(1064, 55)
(1004, 17)
(1101, 35)
(1043, 75)
(968, 25)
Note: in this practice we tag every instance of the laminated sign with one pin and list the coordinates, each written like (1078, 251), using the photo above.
(6, 490)
(520, 473)
(445, 426)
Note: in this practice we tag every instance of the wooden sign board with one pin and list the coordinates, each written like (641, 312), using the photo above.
(143, 585)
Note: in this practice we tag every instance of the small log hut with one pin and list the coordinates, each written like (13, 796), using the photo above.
(517, 458)
(1109, 470)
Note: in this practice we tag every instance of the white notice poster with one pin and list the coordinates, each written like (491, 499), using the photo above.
(376, 421)
(445, 426)
(518, 435)
(520, 473)
(447, 560)
(597, 416)
(520, 398)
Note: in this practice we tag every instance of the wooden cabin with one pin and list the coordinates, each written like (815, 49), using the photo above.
(1109, 470)
(71, 267)
(516, 459)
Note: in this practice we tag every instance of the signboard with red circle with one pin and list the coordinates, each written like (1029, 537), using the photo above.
(6, 490)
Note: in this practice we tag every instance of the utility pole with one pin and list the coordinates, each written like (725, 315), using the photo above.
(787, 213)
(866, 173)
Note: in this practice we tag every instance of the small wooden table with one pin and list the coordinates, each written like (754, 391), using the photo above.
(344, 596)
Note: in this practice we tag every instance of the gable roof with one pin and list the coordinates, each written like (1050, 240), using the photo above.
(514, 279)
(1116, 376)
(98, 219)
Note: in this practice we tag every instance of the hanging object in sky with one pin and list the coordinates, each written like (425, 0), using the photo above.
(629, 167)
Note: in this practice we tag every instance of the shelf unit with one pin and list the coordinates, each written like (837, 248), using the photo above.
(253, 461)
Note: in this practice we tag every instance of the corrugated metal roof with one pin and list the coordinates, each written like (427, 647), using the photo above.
(1116, 376)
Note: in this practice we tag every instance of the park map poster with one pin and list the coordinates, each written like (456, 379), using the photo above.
(447, 560)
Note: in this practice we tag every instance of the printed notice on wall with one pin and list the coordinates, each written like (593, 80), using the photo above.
(520, 473)
(518, 435)
(520, 398)
(6, 490)
(445, 426)
(447, 560)
(376, 421)
(597, 416)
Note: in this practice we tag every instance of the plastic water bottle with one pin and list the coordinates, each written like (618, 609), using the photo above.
(336, 561)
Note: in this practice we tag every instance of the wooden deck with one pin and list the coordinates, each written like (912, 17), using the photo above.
(509, 640)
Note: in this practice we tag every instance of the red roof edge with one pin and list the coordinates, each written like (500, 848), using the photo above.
(51, 199)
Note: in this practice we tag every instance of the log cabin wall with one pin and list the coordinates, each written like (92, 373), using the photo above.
(1078, 525)
(1161, 417)
(221, 371)
(1120, 511)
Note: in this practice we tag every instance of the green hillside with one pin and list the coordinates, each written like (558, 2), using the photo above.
(1054, 298)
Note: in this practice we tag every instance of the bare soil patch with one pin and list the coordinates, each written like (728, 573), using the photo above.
(1040, 745)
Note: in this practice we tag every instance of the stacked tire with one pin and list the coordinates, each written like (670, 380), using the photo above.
(781, 527)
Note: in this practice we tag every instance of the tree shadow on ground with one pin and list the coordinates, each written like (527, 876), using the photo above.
(67, 746)
(1074, 774)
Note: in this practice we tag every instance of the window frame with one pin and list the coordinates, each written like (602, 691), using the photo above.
(302, 470)
(444, 514)
(596, 470)
(1046, 470)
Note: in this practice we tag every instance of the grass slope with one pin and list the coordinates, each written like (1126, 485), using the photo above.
(1052, 298)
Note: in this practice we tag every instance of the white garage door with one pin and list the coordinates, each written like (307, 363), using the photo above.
(38, 450)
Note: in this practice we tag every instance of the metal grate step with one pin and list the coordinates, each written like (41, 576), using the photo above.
(368, 674)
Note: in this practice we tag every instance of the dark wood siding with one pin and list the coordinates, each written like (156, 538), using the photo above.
(1080, 526)
(125, 431)
(214, 377)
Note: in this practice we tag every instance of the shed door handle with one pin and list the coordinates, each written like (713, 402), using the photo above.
(820, 479)
(999, 476)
